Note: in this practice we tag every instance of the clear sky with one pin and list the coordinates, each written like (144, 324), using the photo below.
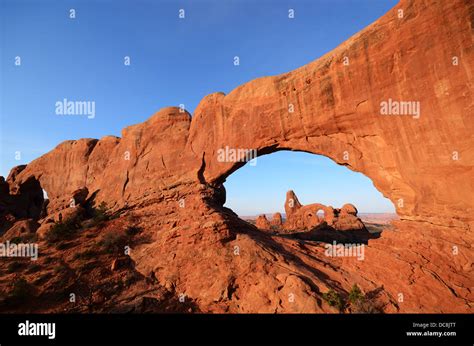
(262, 188)
(173, 61)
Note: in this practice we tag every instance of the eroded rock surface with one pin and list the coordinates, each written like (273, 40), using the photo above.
(166, 174)
(313, 215)
(262, 222)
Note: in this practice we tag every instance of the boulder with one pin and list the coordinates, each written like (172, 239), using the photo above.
(67, 214)
(44, 229)
(21, 228)
(120, 263)
(349, 209)
(277, 220)
(262, 222)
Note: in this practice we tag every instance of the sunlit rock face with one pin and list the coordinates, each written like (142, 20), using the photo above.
(393, 102)
(313, 215)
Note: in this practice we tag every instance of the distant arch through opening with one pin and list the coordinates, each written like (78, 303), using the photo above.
(260, 188)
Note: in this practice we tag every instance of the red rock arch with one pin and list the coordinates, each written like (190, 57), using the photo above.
(336, 114)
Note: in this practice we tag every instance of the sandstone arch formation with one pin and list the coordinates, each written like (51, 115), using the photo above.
(173, 156)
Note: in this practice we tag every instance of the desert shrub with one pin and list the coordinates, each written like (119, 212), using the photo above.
(15, 266)
(113, 242)
(61, 276)
(275, 229)
(61, 269)
(49, 260)
(86, 267)
(87, 254)
(34, 268)
(100, 213)
(334, 299)
(360, 303)
(43, 278)
(355, 294)
(59, 231)
(61, 283)
(63, 230)
(16, 240)
(21, 289)
(26, 238)
(130, 279)
(132, 230)
(63, 246)
(366, 306)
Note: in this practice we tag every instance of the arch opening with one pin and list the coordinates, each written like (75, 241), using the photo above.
(332, 196)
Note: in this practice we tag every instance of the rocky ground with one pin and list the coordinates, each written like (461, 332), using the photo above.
(83, 270)
(89, 264)
(220, 264)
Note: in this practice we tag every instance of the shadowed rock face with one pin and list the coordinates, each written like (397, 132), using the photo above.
(21, 200)
(335, 112)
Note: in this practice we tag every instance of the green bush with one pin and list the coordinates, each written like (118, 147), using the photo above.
(355, 295)
(360, 303)
(16, 240)
(334, 299)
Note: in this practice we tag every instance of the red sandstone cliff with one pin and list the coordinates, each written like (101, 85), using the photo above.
(165, 173)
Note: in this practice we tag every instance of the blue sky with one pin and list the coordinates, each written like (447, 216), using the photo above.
(262, 188)
(173, 61)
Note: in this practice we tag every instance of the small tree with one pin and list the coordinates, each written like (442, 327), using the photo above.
(361, 303)
(334, 299)
(355, 295)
